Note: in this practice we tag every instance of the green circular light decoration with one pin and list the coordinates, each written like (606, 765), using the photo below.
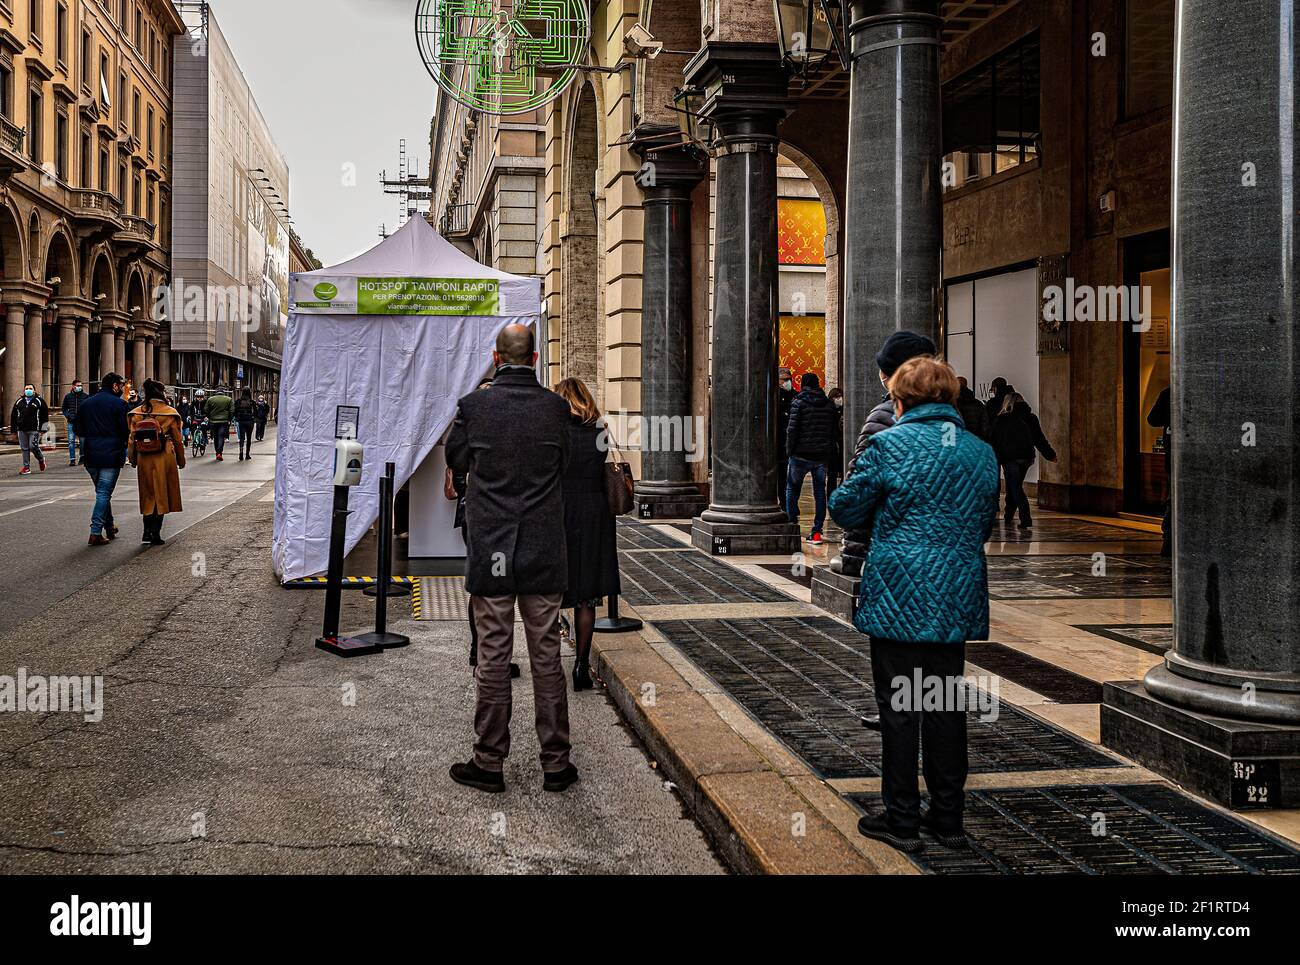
(502, 56)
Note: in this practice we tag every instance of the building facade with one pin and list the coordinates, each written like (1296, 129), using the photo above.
(230, 234)
(85, 187)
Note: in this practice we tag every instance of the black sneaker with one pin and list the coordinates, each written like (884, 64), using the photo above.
(953, 839)
(471, 775)
(560, 780)
(871, 722)
(877, 827)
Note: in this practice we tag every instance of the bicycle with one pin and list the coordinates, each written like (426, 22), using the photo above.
(199, 439)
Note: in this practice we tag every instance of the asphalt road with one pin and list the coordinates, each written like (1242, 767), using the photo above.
(45, 520)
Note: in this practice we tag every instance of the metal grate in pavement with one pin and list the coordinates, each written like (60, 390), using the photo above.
(1152, 637)
(803, 577)
(1110, 829)
(673, 578)
(1044, 678)
(1061, 577)
(1056, 529)
(639, 536)
(441, 599)
(808, 681)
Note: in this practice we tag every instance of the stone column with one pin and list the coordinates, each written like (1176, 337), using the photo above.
(35, 347)
(665, 490)
(15, 356)
(82, 363)
(893, 222)
(119, 351)
(138, 371)
(745, 88)
(1208, 715)
(67, 368)
(107, 350)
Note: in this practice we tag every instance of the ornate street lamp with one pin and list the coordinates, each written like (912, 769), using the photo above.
(810, 32)
(695, 127)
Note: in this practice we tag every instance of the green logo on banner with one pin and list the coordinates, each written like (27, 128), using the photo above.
(428, 296)
(326, 292)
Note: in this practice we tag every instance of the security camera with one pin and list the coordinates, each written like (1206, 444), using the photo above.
(100, 298)
(56, 280)
(640, 43)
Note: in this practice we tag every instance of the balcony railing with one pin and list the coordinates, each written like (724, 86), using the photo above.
(12, 136)
(135, 225)
(90, 202)
(456, 219)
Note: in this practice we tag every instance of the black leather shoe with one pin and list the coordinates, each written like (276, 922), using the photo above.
(877, 827)
(871, 722)
(471, 775)
(953, 839)
(581, 678)
(560, 780)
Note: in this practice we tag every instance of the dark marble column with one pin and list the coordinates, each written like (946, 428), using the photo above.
(893, 226)
(665, 490)
(745, 87)
(1234, 672)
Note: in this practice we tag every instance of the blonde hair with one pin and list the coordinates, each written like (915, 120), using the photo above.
(581, 404)
(922, 380)
(1010, 402)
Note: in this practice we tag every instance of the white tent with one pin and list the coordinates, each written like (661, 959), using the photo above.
(402, 332)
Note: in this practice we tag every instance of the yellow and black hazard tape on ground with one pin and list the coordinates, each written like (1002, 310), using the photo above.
(417, 599)
(349, 582)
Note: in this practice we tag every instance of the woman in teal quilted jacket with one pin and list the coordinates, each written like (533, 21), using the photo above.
(927, 491)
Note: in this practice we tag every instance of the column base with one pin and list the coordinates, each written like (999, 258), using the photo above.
(684, 505)
(1241, 765)
(835, 593)
(746, 539)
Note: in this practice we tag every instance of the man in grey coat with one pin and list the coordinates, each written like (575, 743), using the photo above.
(511, 442)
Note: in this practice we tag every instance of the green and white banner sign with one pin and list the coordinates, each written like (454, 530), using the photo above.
(397, 296)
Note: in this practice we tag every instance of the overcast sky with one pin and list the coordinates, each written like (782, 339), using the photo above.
(339, 82)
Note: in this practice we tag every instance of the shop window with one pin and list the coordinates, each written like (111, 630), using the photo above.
(991, 116)
(1148, 56)
(6, 90)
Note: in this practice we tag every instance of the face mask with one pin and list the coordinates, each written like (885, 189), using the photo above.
(839, 403)
(77, 389)
(29, 393)
(787, 384)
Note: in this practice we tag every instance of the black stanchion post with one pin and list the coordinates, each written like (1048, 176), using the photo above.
(381, 638)
(385, 566)
(612, 622)
(329, 640)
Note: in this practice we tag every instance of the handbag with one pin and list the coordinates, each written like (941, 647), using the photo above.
(619, 485)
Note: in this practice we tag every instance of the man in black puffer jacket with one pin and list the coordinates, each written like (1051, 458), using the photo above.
(898, 348)
(810, 441)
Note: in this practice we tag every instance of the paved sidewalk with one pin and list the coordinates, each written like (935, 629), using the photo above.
(756, 698)
(230, 744)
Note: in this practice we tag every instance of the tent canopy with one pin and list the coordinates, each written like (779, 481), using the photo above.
(402, 332)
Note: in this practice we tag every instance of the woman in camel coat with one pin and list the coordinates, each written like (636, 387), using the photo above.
(158, 473)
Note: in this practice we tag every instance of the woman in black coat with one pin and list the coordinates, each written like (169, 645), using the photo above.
(1016, 436)
(589, 527)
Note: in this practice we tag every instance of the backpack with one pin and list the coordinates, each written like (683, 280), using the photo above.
(148, 436)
